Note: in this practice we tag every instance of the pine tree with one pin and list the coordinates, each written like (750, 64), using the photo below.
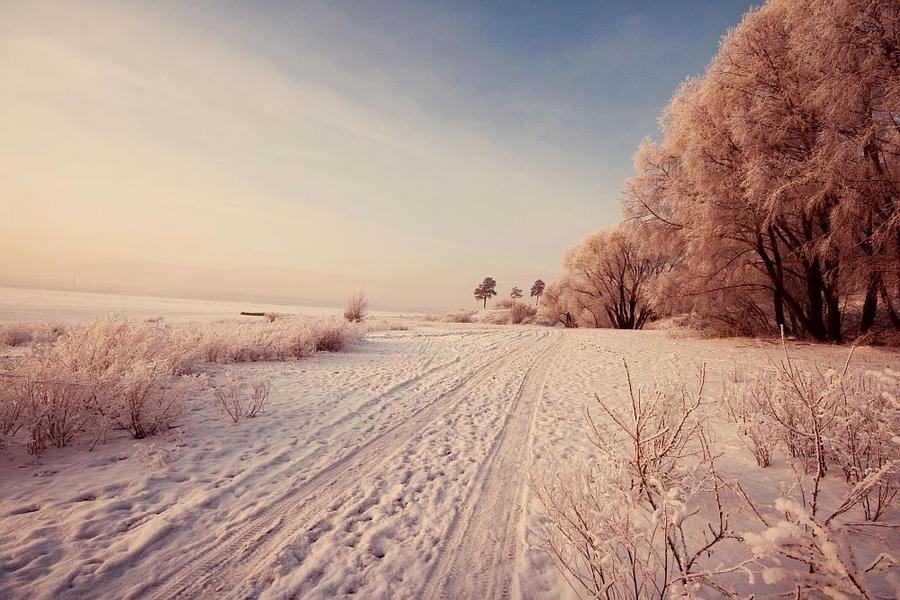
(537, 290)
(486, 290)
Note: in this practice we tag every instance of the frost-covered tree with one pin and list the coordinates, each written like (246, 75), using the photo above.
(486, 290)
(610, 277)
(356, 307)
(778, 175)
(556, 304)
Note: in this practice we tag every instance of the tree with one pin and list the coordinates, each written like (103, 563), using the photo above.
(779, 171)
(486, 290)
(610, 279)
(537, 290)
(515, 293)
(355, 310)
(556, 304)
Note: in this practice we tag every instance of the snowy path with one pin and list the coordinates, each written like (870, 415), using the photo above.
(397, 470)
(479, 552)
(247, 552)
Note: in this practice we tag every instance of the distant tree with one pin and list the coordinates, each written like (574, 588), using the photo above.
(486, 290)
(557, 305)
(537, 289)
(355, 310)
(515, 293)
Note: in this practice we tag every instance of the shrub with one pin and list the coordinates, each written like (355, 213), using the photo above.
(53, 411)
(355, 310)
(10, 410)
(647, 519)
(385, 325)
(504, 303)
(14, 334)
(142, 403)
(230, 396)
(121, 374)
(259, 395)
(111, 372)
(520, 313)
(244, 341)
(745, 407)
(459, 316)
(633, 520)
(493, 316)
(333, 336)
(18, 334)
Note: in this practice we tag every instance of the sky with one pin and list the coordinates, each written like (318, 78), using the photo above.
(299, 151)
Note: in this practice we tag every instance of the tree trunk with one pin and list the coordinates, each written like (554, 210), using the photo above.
(815, 311)
(892, 314)
(870, 305)
(833, 307)
(778, 296)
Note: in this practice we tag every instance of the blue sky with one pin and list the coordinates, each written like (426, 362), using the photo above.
(307, 149)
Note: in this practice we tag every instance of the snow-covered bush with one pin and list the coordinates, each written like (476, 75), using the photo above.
(19, 333)
(230, 341)
(650, 517)
(520, 313)
(384, 325)
(459, 316)
(824, 419)
(53, 411)
(744, 406)
(10, 411)
(259, 395)
(230, 396)
(865, 437)
(145, 403)
(122, 374)
(814, 554)
(641, 520)
(110, 373)
(334, 336)
(492, 316)
(14, 334)
(827, 419)
(355, 310)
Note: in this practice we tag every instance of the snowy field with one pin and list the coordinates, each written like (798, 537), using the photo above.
(20, 304)
(400, 469)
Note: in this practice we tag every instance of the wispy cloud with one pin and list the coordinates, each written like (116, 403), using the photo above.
(398, 147)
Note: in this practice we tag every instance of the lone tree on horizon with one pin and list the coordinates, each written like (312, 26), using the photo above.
(515, 293)
(537, 290)
(486, 290)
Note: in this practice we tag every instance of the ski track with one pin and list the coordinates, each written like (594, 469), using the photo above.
(223, 569)
(396, 470)
(477, 557)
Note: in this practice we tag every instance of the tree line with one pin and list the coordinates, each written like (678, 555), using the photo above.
(771, 201)
(487, 289)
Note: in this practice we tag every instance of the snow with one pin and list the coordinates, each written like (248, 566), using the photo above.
(399, 469)
(20, 304)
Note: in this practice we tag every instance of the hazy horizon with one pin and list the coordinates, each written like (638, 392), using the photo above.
(308, 150)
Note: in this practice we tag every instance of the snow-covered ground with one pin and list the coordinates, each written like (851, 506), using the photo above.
(399, 469)
(22, 304)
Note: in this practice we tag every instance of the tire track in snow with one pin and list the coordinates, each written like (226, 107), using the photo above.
(427, 378)
(476, 559)
(220, 571)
